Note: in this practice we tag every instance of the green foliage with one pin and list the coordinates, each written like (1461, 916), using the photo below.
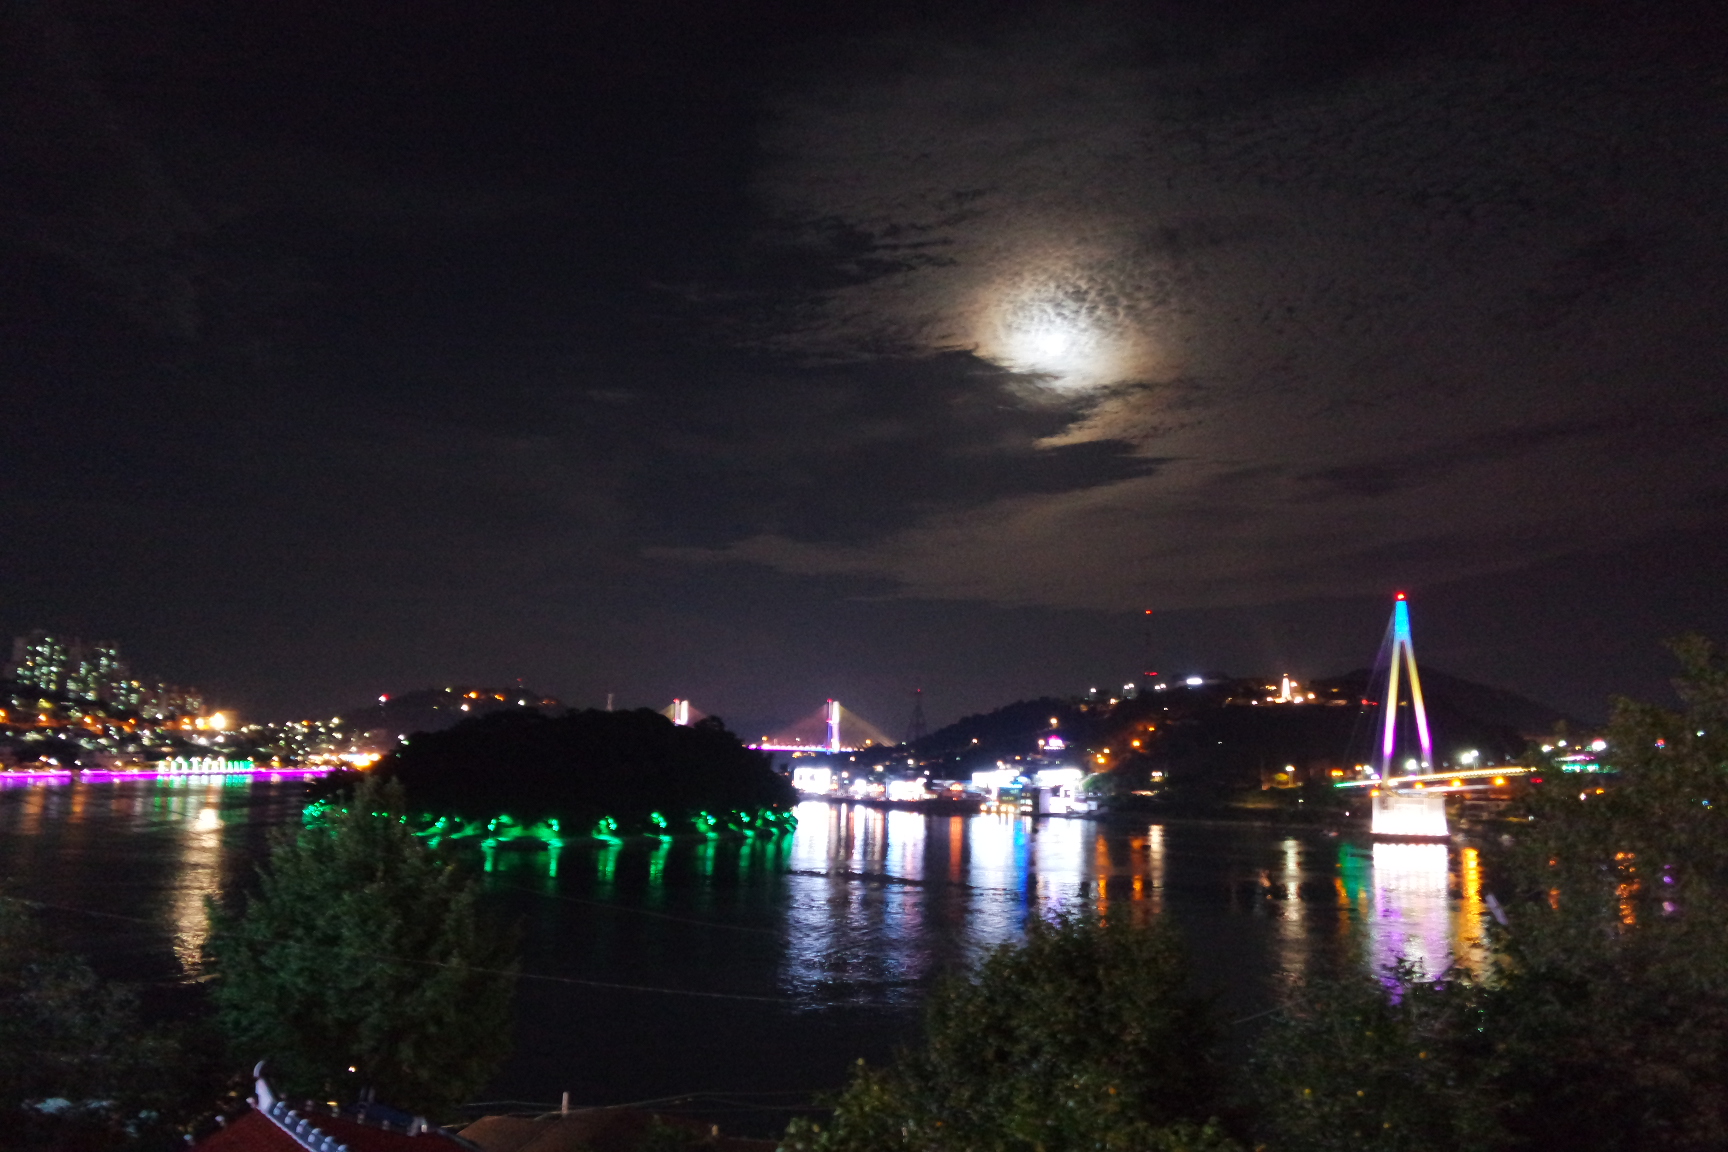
(660, 1136)
(1615, 964)
(1378, 1064)
(362, 949)
(77, 1068)
(1086, 1036)
(1602, 1020)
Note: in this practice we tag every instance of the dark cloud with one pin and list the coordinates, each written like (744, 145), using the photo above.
(589, 343)
(1447, 282)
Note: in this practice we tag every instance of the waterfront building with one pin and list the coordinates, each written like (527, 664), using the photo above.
(94, 672)
(40, 661)
(69, 670)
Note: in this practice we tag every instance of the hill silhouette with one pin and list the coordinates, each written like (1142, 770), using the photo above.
(1477, 704)
(434, 709)
(578, 766)
(1223, 736)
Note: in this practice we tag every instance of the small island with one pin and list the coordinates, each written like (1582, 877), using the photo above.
(557, 777)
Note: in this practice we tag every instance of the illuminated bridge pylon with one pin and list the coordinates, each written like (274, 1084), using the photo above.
(681, 713)
(1410, 812)
(830, 729)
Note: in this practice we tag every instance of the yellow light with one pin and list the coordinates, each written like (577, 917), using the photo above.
(1457, 783)
(219, 721)
(1499, 781)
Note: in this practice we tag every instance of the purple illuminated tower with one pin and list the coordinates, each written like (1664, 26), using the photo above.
(1411, 811)
(1401, 647)
(833, 719)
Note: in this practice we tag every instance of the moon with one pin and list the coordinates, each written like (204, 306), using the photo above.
(1047, 332)
(1068, 325)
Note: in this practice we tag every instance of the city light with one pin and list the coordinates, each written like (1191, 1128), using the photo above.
(817, 780)
(902, 791)
(1463, 778)
(1410, 817)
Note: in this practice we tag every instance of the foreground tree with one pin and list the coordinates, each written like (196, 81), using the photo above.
(1394, 1062)
(77, 1067)
(363, 960)
(1086, 1036)
(1615, 958)
(1602, 1020)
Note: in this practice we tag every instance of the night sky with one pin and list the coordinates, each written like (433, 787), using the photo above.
(760, 352)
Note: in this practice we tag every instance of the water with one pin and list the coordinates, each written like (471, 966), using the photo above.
(758, 971)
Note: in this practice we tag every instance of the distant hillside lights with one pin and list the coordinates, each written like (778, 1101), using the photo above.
(1288, 692)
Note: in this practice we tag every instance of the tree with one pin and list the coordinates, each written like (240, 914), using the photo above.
(1614, 961)
(1086, 1036)
(363, 960)
(77, 1067)
(1602, 1019)
(1390, 1062)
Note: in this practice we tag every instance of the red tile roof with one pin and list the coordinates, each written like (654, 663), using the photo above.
(258, 1132)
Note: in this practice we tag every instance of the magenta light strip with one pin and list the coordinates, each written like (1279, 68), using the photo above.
(268, 773)
(106, 777)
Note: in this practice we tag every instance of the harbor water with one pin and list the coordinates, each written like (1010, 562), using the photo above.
(753, 973)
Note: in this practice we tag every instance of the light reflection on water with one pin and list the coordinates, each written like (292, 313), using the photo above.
(879, 900)
(867, 903)
(125, 867)
(199, 876)
(803, 952)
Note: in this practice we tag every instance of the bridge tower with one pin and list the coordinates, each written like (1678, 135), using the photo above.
(1410, 811)
(832, 716)
(681, 713)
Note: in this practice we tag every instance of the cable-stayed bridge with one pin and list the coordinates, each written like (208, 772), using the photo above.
(681, 712)
(831, 728)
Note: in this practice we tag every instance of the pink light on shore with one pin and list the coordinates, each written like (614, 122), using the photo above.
(103, 776)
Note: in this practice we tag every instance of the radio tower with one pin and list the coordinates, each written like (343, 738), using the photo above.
(1146, 671)
(915, 729)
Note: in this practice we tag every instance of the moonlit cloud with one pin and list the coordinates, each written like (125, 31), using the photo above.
(1013, 177)
(1345, 317)
(397, 349)
(1200, 534)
